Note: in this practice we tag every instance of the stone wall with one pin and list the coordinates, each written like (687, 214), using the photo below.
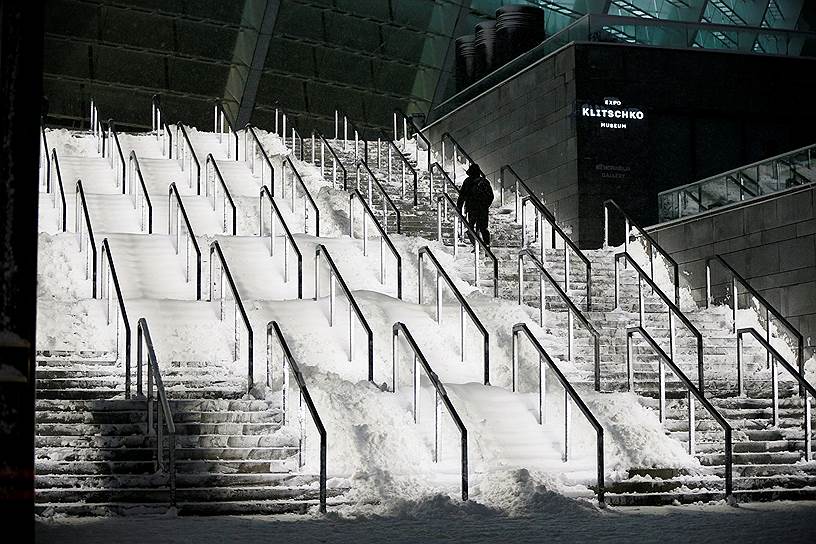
(770, 241)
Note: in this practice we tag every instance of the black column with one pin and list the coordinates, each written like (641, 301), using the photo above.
(21, 51)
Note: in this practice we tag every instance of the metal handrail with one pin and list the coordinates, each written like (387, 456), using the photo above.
(227, 196)
(770, 310)
(693, 392)
(288, 358)
(456, 147)
(804, 386)
(406, 122)
(288, 239)
(518, 185)
(295, 135)
(335, 158)
(165, 415)
(220, 117)
(406, 165)
(182, 153)
(385, 240)
(440, 394)
(545, 214)
(446, 181)
(112, 156)
(215, 247)
(191, 238)
(257, 147)
(673, 311)
(55, 162)
(80, 201)
(45, 174)
(386, 200)
(134, 160)
(160, 126)
(107, 257)
(572, 310)
(307, 196)
(459, 220)
(358, 134)
(96, 129)
(629, 223)
(569, 392)
(352, 303)
(464, 307)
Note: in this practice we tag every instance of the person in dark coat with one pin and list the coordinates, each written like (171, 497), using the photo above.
(475, 196)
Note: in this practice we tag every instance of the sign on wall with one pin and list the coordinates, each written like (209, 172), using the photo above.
(611, 114)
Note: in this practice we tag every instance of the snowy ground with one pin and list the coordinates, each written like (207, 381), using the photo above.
(790, 522)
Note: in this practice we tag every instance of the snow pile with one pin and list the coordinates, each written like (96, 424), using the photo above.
(71, 144)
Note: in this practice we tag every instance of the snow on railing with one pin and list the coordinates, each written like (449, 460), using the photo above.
(572, 310)
(385, 240)
(459, 221)
(569, 393)
(288, 239)
(770, 312)
(223, 126)
(186, 157)
(776, 357)
(164, 415)
(290, 366)
(159, 126)
(440, 395)
(336, 163)
(649, 242)
(253, 148)
(353, 307)
(297, 181)
(693, 393)
(224, 272)
(141, 200)
(107, 276)
(673, 311)
(408, 128)
(387, 204)
(464, 307)
(61, 210)
(358, 135)
(405, 166)
(178, 225)
(117, 159)
(90, 261)
(228, 227)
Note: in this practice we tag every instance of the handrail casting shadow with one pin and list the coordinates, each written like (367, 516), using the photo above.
(629, 223)
(693, 392)
(274, 329)
(173, 225)
(215, 248)
(386, 200)
(107, 257)
(307, 196)
(80, 201)
(288, 239)
(464, 308)
(384, 238)
(227, 196)
(572, 309)
(440, 395)
(165, 415)
(569, 393)
(183, 152)
(673, 311)
(334, 273)
(458, 220)
(133, 165)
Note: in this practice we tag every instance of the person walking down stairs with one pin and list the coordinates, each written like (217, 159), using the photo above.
(476, 195)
